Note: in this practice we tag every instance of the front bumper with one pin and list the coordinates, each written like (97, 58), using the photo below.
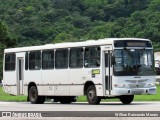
(134, 91)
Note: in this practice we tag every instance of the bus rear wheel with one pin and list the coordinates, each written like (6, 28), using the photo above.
(126, 99)
(92, 97)
(33, 96)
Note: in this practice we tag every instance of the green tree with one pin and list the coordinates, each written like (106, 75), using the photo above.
(5, 42)
(35, 22)
(63, 37)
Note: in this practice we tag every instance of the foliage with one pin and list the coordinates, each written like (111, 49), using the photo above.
(5, 42)
(11, 98)
(35, 22)
(41, 21)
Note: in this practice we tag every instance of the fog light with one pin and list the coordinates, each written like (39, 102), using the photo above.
(129, 91)
(119, 85)
(152, 84)
(115, 85)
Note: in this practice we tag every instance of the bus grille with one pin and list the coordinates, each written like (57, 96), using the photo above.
(137, 92)
(136, 81)
(140, 85)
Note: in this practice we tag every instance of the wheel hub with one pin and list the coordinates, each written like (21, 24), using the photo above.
(91, 95)
(33, 95)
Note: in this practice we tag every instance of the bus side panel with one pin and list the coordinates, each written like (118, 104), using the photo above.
(76, 81)
(25, 88)
(48, 82)
(26, 82)
(60, 79)
(33, 76)
(10, 82)
(94, 75)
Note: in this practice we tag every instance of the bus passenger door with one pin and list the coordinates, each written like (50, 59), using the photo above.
(108, 72)
(20, 70)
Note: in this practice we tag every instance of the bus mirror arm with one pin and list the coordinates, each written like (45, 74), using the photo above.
(113, 60)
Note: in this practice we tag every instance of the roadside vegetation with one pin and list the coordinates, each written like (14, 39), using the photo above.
(8, 97)
(37, 22)
(11, 98)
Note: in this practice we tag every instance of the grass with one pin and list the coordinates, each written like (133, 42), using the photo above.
(155, 97)
(8, 97)
(11, 98)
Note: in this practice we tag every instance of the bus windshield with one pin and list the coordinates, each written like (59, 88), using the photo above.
(130, 62)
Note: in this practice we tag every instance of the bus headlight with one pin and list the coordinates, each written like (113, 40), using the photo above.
(115, 85)
(119, 85)
(152, 84)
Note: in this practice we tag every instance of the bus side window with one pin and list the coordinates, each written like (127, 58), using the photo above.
(76, 58)
(35, 60)
(92, 57)
(26, 61)
(61, 58)
(48, 59)
(10, 61)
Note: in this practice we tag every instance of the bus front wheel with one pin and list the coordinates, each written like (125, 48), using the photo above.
(92, 97)
(126, 99)
(33, 96)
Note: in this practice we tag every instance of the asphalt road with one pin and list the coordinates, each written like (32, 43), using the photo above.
(103, 106)
(82, 110)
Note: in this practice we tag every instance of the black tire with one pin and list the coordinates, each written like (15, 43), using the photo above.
(67, 99)
(33, 96)
(126, 99)
(92, 97)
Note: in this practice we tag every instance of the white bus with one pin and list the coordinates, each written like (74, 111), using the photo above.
(100, 69)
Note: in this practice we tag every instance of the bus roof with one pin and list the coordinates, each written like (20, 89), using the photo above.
(105, 41)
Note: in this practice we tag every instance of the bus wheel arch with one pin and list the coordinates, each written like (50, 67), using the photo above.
(86, 85)
(91, 93)
(30, 85)
(33, 96)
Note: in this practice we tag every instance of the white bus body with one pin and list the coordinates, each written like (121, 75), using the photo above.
(112, 67)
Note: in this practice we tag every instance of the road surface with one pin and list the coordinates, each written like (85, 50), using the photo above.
(83, 111)
(80, 106)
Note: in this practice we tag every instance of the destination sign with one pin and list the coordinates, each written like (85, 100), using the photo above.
(138, 44)
(132, 43)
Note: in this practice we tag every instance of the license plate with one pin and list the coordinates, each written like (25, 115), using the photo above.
(152, 90)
